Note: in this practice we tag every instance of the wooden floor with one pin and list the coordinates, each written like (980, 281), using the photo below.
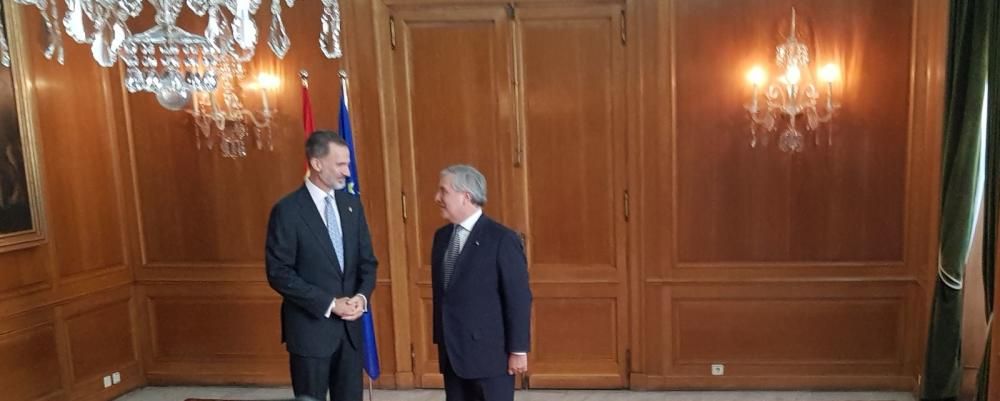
(259, 393)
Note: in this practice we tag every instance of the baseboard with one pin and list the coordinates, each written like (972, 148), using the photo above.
(640, 381)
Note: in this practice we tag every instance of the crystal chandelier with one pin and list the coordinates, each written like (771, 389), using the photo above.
(166, 60)
(791, 98)
(221, 117)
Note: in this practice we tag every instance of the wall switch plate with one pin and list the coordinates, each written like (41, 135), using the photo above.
(107, 381)
(116, 378)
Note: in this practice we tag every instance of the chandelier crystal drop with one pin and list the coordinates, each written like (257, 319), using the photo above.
(165, 59)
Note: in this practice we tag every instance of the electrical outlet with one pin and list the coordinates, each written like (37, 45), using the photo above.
(718, 369)
(116, 378)
(107, 381)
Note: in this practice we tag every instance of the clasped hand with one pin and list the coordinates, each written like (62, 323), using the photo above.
(349, 308)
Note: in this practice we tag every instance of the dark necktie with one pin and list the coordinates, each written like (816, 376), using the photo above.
(451, 254)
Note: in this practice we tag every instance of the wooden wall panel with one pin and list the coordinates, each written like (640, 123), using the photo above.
(22, 272)
(64, 304)
(98, 336)
(425, 351)
(562, 339)
(84, 202)
(29, 358)
(786, 324)
(827, 204)
(208, 327)
(559, 104)
(212, 333)
(384, 314)
(215, 333)
(653, 153)
(100, 340)
(778, 335)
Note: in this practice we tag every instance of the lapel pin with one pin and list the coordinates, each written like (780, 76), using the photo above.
(350, 209)
(477, 243)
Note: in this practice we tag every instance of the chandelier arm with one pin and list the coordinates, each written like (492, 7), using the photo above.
(267, 117)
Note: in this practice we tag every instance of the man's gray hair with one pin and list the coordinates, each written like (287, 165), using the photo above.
(465, 178)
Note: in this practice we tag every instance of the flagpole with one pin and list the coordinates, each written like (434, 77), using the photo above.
(307, 117)
(371, 390)
(343, 87)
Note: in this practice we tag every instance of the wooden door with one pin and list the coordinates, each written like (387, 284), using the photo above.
(454, 102)
(571, 121)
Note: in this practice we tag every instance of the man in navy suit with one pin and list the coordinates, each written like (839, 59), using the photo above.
(482, 301)
(319, 258)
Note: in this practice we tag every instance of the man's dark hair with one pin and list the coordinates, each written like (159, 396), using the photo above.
(318, 144)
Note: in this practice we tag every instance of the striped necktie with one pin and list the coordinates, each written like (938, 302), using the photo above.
(451, 255)
(333, 228)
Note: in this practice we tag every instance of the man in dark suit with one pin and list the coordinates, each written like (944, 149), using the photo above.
(482, 302)
(319, 258)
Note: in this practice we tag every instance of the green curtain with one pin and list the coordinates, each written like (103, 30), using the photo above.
(991, 199)
(960, 177)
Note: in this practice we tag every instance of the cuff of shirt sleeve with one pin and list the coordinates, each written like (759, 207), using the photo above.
(329, 310)
(365, 307)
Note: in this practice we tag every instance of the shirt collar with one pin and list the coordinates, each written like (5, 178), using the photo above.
(317, 195)
(470, 221)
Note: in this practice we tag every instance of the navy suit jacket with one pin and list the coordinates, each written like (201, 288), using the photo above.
(485, 313)
(302, 266)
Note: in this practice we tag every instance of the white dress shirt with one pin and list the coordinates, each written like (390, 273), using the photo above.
(319, 199)
(467, 224)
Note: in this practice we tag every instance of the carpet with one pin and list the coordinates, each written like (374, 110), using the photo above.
(303, 398)
(229, 399)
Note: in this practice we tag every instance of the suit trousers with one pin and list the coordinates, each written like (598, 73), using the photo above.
(340, 374)
(497, 388)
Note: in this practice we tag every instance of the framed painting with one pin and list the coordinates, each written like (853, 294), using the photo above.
(22, 222)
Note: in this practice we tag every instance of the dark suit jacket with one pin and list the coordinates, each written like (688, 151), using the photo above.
(303, 268)
(485, 313)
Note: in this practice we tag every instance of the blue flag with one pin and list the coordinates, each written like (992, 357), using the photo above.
(369, 350)
(344, 126)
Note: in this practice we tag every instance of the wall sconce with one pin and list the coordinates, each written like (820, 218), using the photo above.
(222, 115)
(790, 98)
